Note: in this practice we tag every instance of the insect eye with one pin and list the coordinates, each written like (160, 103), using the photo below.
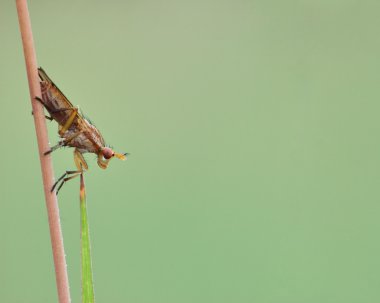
(108, 153)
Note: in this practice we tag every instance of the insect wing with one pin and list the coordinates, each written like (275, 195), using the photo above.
(56, 103)
(44, 77)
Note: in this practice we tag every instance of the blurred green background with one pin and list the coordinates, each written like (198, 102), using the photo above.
(253, 128)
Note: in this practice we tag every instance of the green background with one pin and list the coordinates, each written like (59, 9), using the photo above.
(253, 128)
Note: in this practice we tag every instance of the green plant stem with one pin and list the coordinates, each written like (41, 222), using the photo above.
(87, 283)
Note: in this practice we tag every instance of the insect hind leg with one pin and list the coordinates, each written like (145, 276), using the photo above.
(69, 121)
(47, 117)
(42, 102)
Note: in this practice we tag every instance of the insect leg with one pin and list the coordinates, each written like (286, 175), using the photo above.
(42, 102)
(62, 143)
(59, 145)
(79, 160)
(47, 117)
(67, 179)
(102, 163)
(39, 100)
(68, 172)
(61, 110)
(53, 110)
(69, 121)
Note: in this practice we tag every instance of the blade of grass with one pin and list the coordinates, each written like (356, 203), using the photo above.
(87, 283)
(62, 280)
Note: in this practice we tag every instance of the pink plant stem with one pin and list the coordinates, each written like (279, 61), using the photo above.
(43, 145)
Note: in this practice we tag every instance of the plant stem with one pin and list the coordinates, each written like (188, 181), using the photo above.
(43, 145)
(87, 281)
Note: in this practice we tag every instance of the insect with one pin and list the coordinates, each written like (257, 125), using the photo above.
(74, 129)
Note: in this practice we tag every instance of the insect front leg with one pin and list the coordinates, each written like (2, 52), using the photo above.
(63, 179)
(81, 164)
(101, 162)
(67, 179)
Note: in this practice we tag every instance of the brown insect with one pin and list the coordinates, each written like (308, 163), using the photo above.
(74, 129)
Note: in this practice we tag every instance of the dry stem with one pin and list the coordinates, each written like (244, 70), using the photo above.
(43, 145)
